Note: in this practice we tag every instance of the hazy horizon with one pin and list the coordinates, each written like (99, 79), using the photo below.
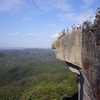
(7, 48)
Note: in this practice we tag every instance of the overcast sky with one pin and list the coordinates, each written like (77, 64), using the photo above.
(36, 23)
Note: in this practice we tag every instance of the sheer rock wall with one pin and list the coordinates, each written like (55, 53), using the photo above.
(81, 51)
(68, 48)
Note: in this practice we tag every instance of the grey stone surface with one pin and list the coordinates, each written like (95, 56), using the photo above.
(91, 59)
(68, 48)
(81, 51)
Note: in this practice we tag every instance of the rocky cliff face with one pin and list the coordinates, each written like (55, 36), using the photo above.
(81, 51)
(68, 48)
(91, 59)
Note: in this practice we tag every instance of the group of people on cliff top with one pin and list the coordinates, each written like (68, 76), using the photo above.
(73, 28)
(78, 27)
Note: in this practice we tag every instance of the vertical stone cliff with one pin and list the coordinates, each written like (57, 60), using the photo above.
(91, 59)
(68, 48)
(81, 51)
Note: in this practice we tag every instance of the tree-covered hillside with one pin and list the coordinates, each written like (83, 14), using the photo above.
(19, 56)
(35, 74)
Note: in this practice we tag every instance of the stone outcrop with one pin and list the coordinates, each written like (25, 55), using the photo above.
(81, 51)
(68, 48)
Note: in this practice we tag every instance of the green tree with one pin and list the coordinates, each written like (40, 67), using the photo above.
(88, 22)
(97, 17)
(1, 54)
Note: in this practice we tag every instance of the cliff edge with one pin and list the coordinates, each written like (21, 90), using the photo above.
(68, 48)
(81, 51)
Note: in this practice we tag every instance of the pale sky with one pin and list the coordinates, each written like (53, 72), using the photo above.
(36, 23)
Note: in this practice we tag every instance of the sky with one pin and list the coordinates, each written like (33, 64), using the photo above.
(37, 23)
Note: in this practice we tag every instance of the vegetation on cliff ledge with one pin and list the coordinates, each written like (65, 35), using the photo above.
(91, 25)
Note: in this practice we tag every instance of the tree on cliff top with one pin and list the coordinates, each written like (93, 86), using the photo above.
(88, 23)
(97, 17)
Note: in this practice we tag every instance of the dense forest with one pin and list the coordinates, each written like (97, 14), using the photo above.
(35, 74)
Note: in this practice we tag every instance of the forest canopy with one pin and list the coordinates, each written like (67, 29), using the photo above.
(35, 74)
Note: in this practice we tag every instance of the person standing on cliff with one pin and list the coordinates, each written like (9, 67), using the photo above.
(63, 30)
(78, 27)
(67, 30)
(83, 26)
(74, 27)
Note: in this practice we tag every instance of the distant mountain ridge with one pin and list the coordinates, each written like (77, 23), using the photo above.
(19, 48)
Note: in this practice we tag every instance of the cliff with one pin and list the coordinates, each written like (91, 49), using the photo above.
(68, 48)
(81, 51)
